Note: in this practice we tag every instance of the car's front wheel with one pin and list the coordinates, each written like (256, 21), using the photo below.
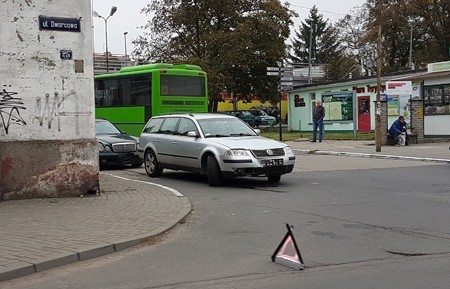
(214, 173)
(274, 178)
(152, 167)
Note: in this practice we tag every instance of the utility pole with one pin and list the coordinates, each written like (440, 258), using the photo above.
(310, 50)
(411, 47)
(378, 102)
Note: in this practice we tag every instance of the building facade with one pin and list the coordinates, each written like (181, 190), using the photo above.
(350, 104)
(47, 135)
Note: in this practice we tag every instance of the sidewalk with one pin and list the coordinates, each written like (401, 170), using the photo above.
(39, 234)
(429, 152)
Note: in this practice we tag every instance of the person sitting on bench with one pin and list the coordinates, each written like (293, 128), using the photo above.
(397, 128)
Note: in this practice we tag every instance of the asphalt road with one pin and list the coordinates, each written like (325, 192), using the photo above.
(359, 223)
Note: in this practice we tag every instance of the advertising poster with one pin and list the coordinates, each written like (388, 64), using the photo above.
(338, 106)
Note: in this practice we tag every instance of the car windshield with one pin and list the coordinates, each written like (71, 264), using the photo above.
(224, 127)
(105, 127)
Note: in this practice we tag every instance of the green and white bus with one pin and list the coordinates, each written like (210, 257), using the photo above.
(130, 97)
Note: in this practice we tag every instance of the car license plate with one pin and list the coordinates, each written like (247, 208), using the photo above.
(271, 163)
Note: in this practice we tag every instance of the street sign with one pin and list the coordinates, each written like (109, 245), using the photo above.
(273, 73)
(287, 83)
(287, 78)
(273, 68)
(287, 73)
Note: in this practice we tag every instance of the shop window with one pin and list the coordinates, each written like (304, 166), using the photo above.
(437, 99)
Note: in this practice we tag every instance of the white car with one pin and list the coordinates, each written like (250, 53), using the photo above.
(216, 145)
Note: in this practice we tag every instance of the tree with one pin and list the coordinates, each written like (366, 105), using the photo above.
(325, 48)
(356, 40)
(234, 41)
(429, 21)
(339, 63)
(312, 29)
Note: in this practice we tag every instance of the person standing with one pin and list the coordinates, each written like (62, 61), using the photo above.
(318, 115)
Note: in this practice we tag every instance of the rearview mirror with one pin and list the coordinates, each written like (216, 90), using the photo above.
(192, 133)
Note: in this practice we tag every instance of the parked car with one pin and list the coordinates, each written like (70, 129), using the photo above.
(216, 145)
(115, 148)
(263, 117)
(272, 111)
(254, 117)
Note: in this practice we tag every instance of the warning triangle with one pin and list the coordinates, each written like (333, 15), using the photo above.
(287, 253)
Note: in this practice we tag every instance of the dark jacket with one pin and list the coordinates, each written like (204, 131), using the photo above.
(397, 127)
(319, 113)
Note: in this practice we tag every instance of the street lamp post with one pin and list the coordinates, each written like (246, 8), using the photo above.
(111, 13)
(125, 40)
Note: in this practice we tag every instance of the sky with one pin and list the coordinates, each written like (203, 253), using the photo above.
(128, 18)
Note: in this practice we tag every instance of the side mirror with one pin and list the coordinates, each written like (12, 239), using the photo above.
(192, 133)
(258, 131)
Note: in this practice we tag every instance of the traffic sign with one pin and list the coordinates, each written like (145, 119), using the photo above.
(287, 73)
(273, 73)
(273, 68)
(287, 83)
(287, 78)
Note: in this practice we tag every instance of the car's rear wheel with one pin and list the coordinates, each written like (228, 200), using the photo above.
(152, 167)
(214, 173)
(274, 178)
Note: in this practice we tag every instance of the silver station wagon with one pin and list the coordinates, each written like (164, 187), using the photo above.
(216, 145)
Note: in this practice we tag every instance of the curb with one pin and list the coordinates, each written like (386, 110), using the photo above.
(376, 156)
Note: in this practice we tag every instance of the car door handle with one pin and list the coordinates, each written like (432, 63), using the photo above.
(174, 142)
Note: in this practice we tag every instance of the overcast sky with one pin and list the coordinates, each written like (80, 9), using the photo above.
(129, 18)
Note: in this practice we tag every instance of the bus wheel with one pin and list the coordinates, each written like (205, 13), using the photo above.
(274, 178)
(214, 174)
(152, 167)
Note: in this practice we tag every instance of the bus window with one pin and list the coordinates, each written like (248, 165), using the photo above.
(174, 85)
(140, 92)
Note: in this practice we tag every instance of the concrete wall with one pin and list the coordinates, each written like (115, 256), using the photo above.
(47, 137)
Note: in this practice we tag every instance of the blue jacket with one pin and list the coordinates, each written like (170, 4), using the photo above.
(397, 127)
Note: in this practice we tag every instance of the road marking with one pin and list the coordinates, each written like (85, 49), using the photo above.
(177, 193)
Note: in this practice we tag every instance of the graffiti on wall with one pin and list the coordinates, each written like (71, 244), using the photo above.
(10, 108)
(49, 109)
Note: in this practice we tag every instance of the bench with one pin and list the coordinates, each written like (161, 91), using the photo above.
(412, 139)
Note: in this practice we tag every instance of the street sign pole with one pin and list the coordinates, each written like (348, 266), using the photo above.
(285, 83)
(281, 96)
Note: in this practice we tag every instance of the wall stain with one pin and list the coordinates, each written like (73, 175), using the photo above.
(6, 167)
(44, 60)
(29, 2)
(19, 36)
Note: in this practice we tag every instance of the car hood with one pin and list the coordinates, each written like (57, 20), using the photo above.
(248, 142)
(114, 138)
